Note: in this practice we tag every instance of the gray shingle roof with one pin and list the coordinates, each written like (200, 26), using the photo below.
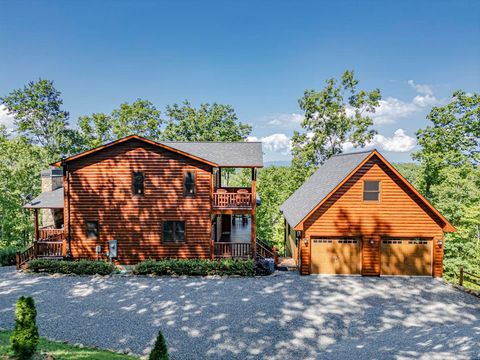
(225, 154)
(47, 200)
(319, 185)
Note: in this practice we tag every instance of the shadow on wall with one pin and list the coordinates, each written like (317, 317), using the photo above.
(136, 221)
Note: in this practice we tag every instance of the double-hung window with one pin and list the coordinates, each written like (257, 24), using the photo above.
(173, 231)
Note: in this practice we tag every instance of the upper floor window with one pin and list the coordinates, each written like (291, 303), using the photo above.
(92, 229)
(173, 231)
(138, 183)
(189, 183)
(371, 190)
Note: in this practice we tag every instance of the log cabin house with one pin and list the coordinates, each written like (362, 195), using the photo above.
(357, 215)
(156, 199)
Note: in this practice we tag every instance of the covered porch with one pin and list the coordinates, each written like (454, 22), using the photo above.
(49, 234)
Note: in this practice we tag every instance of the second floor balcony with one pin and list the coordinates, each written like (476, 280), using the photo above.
(233, 198)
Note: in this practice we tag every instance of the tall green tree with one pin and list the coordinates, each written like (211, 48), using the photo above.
(210, 122)
(275, 185)
(20, 166)
(453, 138)
(39, 117)
(140, 118)
(337, 114)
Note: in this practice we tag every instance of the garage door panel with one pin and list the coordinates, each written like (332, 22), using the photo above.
(335, 256)
(406, 257)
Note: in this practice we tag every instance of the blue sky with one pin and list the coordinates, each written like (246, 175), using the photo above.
(258, 56)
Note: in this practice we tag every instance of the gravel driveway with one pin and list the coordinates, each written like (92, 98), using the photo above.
(284, 316)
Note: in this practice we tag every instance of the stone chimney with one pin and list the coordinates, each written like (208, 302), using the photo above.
(52, 179)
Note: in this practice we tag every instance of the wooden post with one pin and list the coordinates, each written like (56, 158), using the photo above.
(275, 256)
(35, 212)
(254, 236)
(17, 260)
(212, 250)
(461, 275)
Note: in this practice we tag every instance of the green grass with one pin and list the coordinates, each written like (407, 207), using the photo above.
(60, 350)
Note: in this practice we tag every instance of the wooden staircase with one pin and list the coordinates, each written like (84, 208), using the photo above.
(49, 245)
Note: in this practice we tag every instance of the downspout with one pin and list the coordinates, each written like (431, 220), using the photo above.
(66, 174)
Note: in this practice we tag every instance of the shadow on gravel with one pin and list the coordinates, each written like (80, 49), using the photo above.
(279, 317)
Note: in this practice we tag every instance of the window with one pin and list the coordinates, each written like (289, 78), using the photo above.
(137, 183)
(92, 229)
(189, 183)
(173, 231)
(371, 190)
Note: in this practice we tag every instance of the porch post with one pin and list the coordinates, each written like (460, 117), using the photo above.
(254, 236)
(35, 221)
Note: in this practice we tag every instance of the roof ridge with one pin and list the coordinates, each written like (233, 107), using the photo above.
(355, 153)
(211, 142)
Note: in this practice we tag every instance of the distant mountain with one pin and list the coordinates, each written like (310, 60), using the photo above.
(277, 163)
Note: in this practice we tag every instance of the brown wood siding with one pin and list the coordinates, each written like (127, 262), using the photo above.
(101, 190)
(399, 213)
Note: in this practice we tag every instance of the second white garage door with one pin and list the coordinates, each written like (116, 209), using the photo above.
(335, 256)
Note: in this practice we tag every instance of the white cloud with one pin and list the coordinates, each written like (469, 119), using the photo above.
(276, 142)
(399, 142)
(285, 120)
(391, 109)
(5, 118)
(421, 88)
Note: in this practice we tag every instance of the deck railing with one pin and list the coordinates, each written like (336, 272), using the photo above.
(223, 250)
(233, 198)
(48, 234)
(40, 249)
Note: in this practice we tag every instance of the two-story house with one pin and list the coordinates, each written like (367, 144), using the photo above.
(156, 199)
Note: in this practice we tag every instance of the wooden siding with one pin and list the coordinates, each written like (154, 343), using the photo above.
(101, 190)
(399, 213)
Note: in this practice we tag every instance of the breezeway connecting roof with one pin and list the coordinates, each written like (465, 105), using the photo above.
(218, 154)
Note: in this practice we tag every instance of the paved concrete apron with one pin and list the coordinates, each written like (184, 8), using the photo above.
(279, 317)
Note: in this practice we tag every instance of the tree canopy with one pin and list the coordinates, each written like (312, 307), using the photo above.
(140, 118)
(39, 117)
(210, 122)
(452, 139)
(335, 115)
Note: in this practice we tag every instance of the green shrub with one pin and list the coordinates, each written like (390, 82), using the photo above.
(24, 339)
(159, 351)
(196, 267)
(7, 256)
(81, 267)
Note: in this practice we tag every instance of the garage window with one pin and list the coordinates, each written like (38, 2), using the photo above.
(371, 190)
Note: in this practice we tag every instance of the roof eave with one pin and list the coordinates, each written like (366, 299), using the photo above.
(130, 137)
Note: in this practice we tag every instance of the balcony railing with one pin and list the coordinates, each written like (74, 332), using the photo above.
(232, 198)
(224, 250)
(49, 234)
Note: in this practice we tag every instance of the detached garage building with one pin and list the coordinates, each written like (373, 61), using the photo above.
(357, 215)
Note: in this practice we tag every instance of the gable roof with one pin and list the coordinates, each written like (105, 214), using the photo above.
(218, 154)
(319, 185)
(225, 154)
(328, 178)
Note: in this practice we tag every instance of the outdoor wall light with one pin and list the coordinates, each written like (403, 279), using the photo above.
(298, 233)
(371, 242)
(439, 242)
(305, 241)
